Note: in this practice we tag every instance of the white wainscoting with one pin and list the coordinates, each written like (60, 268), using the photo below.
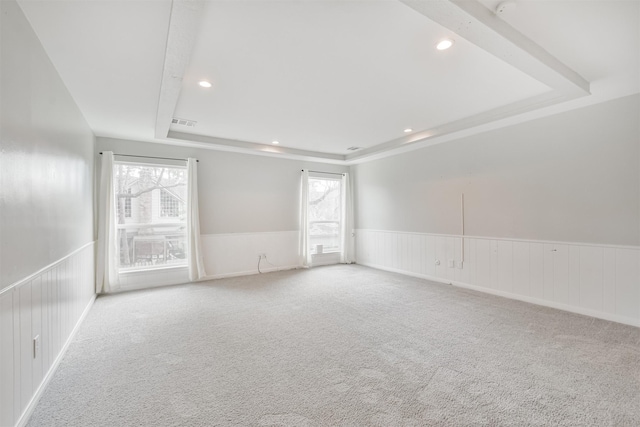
(50, 304)
(596, 280)
(236, 254)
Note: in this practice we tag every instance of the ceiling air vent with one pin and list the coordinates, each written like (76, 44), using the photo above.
(353, 148)
(183, 122)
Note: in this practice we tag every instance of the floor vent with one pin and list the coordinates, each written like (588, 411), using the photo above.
(183, 122)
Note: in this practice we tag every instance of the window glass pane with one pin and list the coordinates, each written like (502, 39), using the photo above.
(151, 215)
(324, 214)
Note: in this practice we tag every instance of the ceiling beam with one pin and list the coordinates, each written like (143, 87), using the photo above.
(233, 145)
(183, 29)
(479, 25)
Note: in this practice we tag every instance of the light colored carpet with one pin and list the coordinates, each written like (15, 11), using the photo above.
(340, 346)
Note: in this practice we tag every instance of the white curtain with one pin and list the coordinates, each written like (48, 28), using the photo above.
(305, 254)
(107, 253)
(195, 258)
(347, 256)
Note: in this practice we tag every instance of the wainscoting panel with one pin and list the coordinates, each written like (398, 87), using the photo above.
(597, 280)
(38, 316)
(236, 254)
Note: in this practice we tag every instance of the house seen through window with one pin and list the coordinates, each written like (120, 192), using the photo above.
(169, 204)
(151, 215)
(127, 204)
(325, 215)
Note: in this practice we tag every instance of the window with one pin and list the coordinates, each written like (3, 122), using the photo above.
(169, 204)
(127, 204)
(155, 233)
(325, 215)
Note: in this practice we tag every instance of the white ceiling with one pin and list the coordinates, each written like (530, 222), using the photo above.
(322, 76)
(110, 56)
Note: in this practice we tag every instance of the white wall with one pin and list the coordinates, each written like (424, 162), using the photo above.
(552, 211)
(46, 215)
(46, 203)
(248, 205)
(573, 177)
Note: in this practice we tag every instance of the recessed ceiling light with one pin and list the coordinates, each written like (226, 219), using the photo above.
(444, 44)
(407, 130)
(275, 142)
(204, 83)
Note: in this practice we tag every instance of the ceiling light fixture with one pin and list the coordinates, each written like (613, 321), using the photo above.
(275, 142)
(204, 83)
(407, 130)
(444, 44)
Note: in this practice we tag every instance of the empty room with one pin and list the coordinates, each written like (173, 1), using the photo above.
(319, 213)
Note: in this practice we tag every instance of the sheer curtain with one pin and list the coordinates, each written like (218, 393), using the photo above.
(195, 259)
(305, 254)
(107, 253)
(347, 256)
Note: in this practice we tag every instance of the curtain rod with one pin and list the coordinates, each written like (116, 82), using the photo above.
(149, 157)
(330, 173)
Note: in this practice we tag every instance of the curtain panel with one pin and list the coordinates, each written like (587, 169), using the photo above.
(195, 258)
(107, 254)
(305, 254)
(347, 255)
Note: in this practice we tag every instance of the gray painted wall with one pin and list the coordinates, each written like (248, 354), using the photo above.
(238, 193)
(574, 177)
(46, 166)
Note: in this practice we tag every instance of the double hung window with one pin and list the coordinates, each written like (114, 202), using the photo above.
(325, 214)
(150, 215)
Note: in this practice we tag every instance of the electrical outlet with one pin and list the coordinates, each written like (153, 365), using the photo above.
(262, 256)
(451, 263)
(437, 262)
(460, 264)
(36, 346)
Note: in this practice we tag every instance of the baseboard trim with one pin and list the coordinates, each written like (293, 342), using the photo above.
(248, 272)
(141, 287)
(26, 414)
(531, 300)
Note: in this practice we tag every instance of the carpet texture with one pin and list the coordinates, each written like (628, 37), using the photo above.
(340, 346)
